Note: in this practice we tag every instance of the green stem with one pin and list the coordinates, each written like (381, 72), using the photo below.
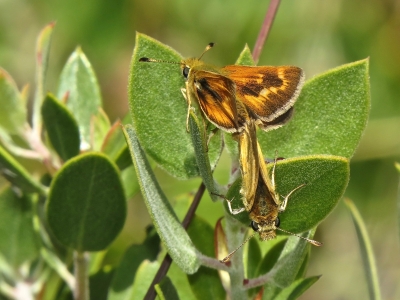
(265, 28)
(81, 291)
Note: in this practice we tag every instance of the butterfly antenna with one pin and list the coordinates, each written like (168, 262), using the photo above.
(313, 242)
(209, 46)
(146, 59)
(226, 259)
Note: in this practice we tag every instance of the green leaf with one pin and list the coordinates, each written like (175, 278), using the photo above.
(122, 283)
(61, 127)
(19, 242)
(205, 283)
(330, 115)
(130, 181)
(143, 279)
(172, 234)
(253, 260)
(166, 290)
(100, 125)
(245, 57)
(326, 179)
(200, 149)
(114, 144)
(15, 173)
(284, 272)
(159, 110)
(13, 113)
(297, 288)
(86, 208)
(367, 252)
(271, 258)
(42, 59)
(78, 84)
(99, 283)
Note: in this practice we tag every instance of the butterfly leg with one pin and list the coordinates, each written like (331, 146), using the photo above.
(232, 211)
(282, 207)
(189, 103)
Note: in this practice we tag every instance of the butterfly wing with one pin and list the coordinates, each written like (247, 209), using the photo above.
(217, 99)
(267, 92)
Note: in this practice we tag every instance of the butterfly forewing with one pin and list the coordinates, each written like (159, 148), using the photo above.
(216, 97)
(267, 92)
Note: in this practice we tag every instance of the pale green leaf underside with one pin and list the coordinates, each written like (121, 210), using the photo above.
(164, 218)
(158, 109)
(78, 83)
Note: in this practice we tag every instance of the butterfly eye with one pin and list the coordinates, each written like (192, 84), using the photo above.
(254, 226)
(185, 72)
(277, 222)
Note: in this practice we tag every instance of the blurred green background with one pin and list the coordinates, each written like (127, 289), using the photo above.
(315, 35)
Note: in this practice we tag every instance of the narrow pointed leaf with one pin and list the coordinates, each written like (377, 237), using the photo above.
(297, 288)
(86, 208)
(367, 252)
(13, 113)
(61, 128)
(200, 149)
(172, 234)
(19, 242)
(205, 283)
(15, 173)
(284, 272)
(166, 290)
(159, 110)
(330, 115)
(124, 276)
(42, 58)
(78, 83)
(100, 125)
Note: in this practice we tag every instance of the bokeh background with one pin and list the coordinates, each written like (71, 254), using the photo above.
(315, 35)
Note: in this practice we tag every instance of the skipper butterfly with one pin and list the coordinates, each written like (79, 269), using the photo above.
(232, 95)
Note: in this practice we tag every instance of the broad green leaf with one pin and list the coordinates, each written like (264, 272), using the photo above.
(15, 173)
(166, 290)
(367, 252)
(13, 113)
(78, 84)
(159, 110)
(86, 208)
(326, 179)
(329, 118)
(122, 283)
(205, 283)
(42, 59)
(297, 288)
(19, 242)
(175, 238)
(61, 127)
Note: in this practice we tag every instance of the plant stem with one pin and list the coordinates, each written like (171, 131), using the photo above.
(166, 263)
(265, 28)
(81, 291)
